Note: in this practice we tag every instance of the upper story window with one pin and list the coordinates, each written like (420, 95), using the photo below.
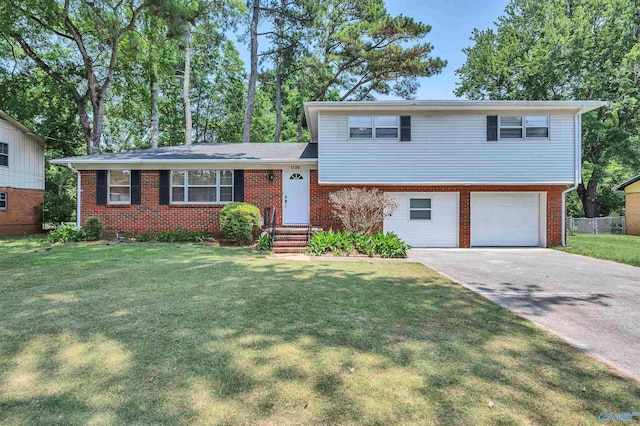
(373, 127)
(4, 154)
(524, 127)
(119, 187)
(201, 186)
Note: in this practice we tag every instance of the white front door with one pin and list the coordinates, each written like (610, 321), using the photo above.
(295, 197)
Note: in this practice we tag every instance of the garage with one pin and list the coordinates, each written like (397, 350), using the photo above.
(425, 219)
(508, 219)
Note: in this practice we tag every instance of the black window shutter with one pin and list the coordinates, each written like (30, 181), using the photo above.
(238, 185)
(136, 183)
(492, 127)
(405, 128)
(164, 187)
(101, 187)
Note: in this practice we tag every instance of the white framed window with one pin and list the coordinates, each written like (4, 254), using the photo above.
(4, 154)
(201, 186)
(3, 200)
(374, 127)
(523, 127)
(420, 209)
(119, 187)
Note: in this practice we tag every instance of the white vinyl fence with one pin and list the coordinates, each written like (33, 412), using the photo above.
(597, 225)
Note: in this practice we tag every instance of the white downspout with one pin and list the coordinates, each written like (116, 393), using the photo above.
(78, 197)
(577, 171)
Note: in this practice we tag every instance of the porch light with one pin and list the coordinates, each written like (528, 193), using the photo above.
(271, 176)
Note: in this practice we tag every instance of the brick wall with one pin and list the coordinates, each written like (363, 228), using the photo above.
(633, 213)
(22, 215)
(266, 193)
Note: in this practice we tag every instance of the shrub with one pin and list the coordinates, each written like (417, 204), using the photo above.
(346, 242)
(338, 243)
(94, 228)
(264, 242)
(178, 234)
(144, 237)
(240, 221)
(390, 245)
(362, 210)
(66, 233)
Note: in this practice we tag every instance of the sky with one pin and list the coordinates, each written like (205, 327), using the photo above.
(452, 22)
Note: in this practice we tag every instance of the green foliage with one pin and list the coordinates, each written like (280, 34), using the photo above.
(144, 237)
(264, 242)
(347, 242)
(93, 228)
(66, 233)
(176, 235)
(554, 50)
(240, 221)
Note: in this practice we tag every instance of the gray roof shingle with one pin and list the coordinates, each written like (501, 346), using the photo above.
(219, 151)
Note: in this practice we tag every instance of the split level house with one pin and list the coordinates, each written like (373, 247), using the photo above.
(21, 178)
(463, 173)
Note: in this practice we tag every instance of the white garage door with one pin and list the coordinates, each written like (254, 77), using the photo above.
(425, 219)
(505, 219)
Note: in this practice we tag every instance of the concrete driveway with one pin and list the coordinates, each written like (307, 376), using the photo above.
(593, 304)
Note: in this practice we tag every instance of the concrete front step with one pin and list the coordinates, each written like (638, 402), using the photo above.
(289, 249)
(291, 237)
(291, 243)
(296, 230)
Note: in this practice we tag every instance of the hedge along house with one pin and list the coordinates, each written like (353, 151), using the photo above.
(21, 178)
(464, 173)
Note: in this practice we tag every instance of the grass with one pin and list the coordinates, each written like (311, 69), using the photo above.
(619, 248)
(187, 333)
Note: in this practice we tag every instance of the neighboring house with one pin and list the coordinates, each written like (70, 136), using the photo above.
(631, 190)
(21, 178)
(464, 173)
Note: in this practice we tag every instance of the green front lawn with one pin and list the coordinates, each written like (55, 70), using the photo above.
(173, 334)
(619, 248)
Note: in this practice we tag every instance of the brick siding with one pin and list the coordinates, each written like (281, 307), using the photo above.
(24, 208)
(265, 193)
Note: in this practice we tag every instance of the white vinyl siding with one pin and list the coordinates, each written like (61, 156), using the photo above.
(446, 147)
(25, 159)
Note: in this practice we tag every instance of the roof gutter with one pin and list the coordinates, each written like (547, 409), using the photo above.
(78, 197)
(577, 171)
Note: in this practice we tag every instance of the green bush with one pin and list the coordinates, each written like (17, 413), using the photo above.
(346, 242)
(93, 228)
(144, 237)
(240, 221)
(264, 242)
(178, 235)
(66, 233)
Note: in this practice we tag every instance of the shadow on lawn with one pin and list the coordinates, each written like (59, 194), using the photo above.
(250, 340)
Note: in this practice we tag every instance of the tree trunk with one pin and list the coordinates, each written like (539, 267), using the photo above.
(188, 127)
(300, 121)
(253, 75)
(154, 109)
(588, 197)
(276, 138)
(280, 25)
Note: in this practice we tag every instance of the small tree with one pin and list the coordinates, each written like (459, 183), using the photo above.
(360, 209)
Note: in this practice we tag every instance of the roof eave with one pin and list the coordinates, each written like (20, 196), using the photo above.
(631, 181)
(22, 127)
(66, 161)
